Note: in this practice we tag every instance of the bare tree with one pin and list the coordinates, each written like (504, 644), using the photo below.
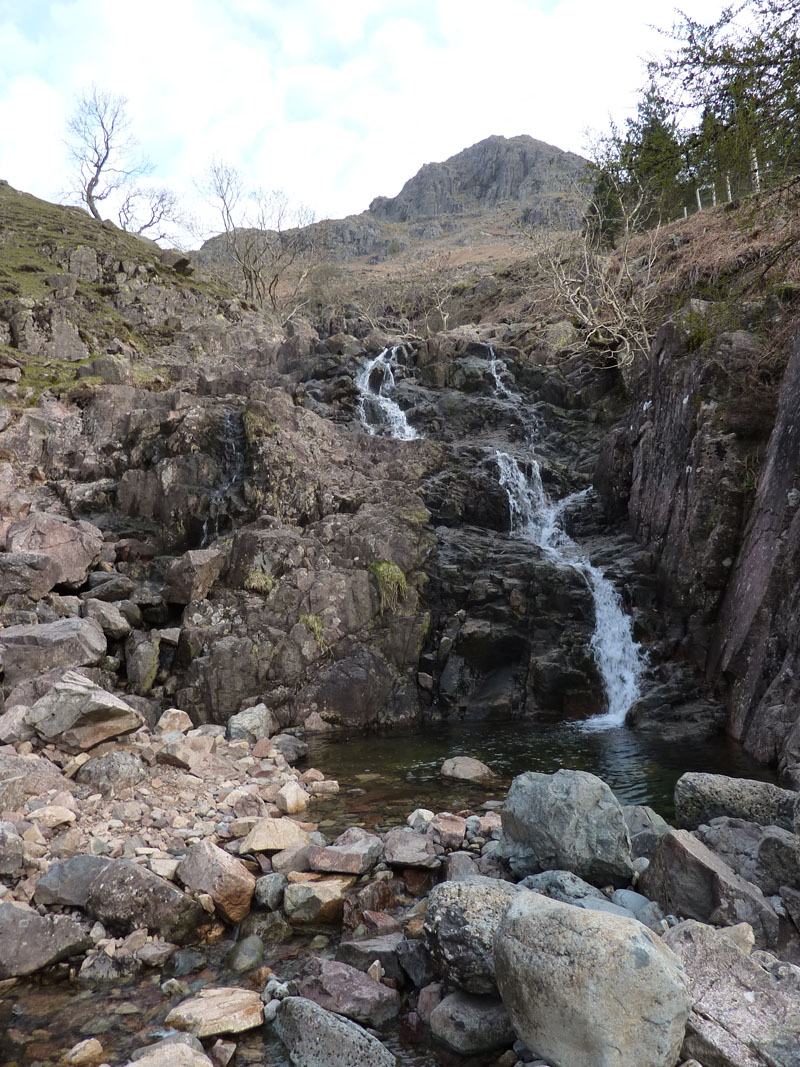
(269, 240)
(151, 211)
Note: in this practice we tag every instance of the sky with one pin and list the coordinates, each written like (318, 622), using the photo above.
(333, 101)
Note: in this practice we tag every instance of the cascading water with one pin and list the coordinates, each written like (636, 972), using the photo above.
(497, 368)
(537, 519)
(232, 441)
(378, 412)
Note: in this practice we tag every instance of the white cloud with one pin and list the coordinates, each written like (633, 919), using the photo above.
(336, 103)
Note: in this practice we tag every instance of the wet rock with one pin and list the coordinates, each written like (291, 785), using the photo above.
(570, 821)
(269, 890)
(561, 885)
(348, 991)
(355, 851)
(29, 941)
(588, 989)
(312, 902)
(415, 959)
(699, 798)
(687, 879)
(250, 725)
(31, 650)
(114, 771)
(85, 1052)
(191, 576)
(472, 1025)
(68, 881)
(218, 1011)
(206, 868)
(79, 714)
(274, 835)
(407, 848)
(246, 954)
(363, 952)
(467, 769)
(270, 926)
(315, 1037)
(742, 1014)
(765, 855)
(73, 546)
(460, 925)
(27, 574)
(645, 828)
(125, 896)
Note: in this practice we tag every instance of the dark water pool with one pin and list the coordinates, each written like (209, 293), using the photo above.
(383, 778)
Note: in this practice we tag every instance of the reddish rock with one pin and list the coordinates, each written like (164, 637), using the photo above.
(354, 852)
(343, 989)
(208, 869)
(73, 546)
(450, 829)
(191, 575)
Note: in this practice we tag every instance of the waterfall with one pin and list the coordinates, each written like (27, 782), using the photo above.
(378, 412)
(496, 368)
(535, 518)
(232, 440)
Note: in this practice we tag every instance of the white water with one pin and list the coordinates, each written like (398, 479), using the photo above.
(391, 416)
(537, 519)
(496, 368)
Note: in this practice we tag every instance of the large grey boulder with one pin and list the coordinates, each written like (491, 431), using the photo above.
(315, 1037)
(765, 855)
(460, 924)
(251, 724)
(68, 881)
(472, 1025)
(645, 826)
(78, 714)
(743, 1015)
(125, 896)
(385, 948)
(31, 649)
(27, 573)
(587, 989)
(74, 547)
(114, 771)
(29, 941)
(689, 880)
(699, 798)
(569, 821)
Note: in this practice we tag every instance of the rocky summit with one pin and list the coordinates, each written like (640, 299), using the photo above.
(236, 545)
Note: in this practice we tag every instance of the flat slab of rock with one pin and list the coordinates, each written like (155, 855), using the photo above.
(588, 989)
(30, 650)
(207, 868)
(568, 821)
(408, 848)
(316, 902)
(219, 1010)
(348, 991)
(315, 1037)
(79, 714)
(689, 880)
(356, 851)
(29, 941)
(73, 547)
(460, 926)
(125, 896)
(742, 1014)
(471, 1025)
(699, 798)
(466, 769)
(767, 856)
(363, 952)
(274, 835)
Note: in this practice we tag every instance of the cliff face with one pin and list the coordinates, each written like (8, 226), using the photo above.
(495, 170)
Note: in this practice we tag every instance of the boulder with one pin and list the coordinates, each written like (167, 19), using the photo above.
(348, 991)
(765, 855)
(460, 924)
(113, 623)
(38, 774)
(206, 868)
(67, 882)
(31, 649)
(125, 896)
(73, 546)
(191, 576)
(269, 890)
(687, 879)
(699, 798)
(174, 1054)
(407, 848)
(315, 1037)
(78, 714)
(570, 821)
(645, 828)
(315, 902)
(12, 849)
(293, 749)
(114, 771)
(29, 941)
(26, 573)
(292, 798)
(467, 769)
(586, 989)
(274, 835)
(448, 829)
(250, 725)
(743, 1015)
(356, 851)
(363, 952)
(472, 1025)
(218, 1010)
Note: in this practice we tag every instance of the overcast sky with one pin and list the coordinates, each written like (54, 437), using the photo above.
(334, 101)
